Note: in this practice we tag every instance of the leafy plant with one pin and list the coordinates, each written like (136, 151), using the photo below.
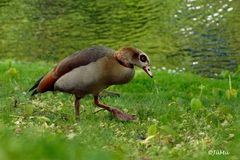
(231, 92)
(196, 103)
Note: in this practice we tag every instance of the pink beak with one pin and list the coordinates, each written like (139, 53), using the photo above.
(148, 71)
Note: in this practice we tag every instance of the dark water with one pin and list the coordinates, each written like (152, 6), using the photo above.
(50, 30)
(211, 34)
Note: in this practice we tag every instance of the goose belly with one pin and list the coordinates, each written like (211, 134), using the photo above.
(85, 79)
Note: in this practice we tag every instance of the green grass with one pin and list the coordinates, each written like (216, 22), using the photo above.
(170, 124)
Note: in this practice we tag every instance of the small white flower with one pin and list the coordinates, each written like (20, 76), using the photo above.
(17, 122)
(220, 10)
(225, 123)
(163, 68)
(178, 145)
(225, 5)
(182, 29)
(231, 135)
(198, 7)
(215, 14)
(229, 9)
(201, 133)
(71, 136)
(195, 62)
(209, 18)
(191, 33)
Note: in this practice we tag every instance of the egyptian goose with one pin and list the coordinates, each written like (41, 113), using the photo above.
(92, 70)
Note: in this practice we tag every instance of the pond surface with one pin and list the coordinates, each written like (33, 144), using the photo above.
(188, 34)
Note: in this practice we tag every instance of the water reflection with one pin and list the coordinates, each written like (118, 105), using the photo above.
(172, 32)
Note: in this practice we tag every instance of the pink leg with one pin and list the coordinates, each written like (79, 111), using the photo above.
(98, 103)
(77, 105)
(116, 112)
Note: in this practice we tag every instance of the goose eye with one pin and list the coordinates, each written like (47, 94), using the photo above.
(143, 58)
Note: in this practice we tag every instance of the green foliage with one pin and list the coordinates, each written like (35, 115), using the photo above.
(11, 72)
(168, 130)
(196, 104)
(27, 109)
(171, 120)
(231, 93)
(152, 130)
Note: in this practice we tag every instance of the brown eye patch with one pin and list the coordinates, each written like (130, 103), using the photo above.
(143, 58)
